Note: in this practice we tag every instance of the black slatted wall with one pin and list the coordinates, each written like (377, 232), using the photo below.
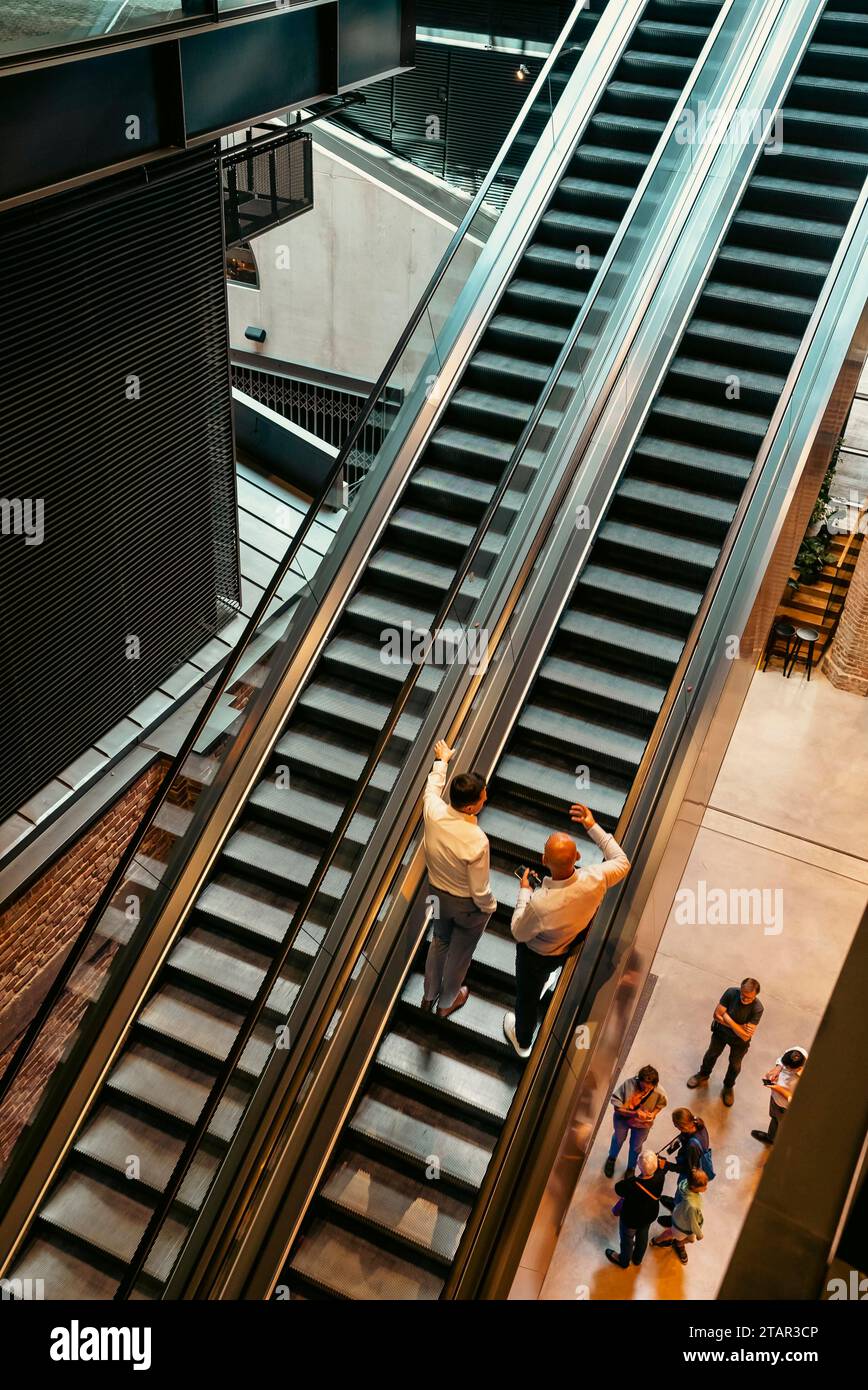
(473, 94)
(115, 411)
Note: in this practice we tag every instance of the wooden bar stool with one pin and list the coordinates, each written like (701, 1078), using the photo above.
(804, 637)
(781, 631)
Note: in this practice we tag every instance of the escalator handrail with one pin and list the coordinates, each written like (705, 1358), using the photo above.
(230, 663)
(402, 698)
(528, 1109)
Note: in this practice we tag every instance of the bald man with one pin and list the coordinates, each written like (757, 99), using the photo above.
(546, 923)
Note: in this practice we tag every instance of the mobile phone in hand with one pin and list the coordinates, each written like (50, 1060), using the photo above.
(534, 878)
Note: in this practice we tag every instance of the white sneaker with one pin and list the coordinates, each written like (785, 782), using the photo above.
(509, 1032)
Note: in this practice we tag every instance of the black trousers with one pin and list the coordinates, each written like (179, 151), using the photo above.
(531, 973)
(737, 1054)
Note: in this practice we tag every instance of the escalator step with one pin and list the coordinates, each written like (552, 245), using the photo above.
(423, 1215)
(671, 506)
(612, 746)
(201, 958)
(640, 542)
(64, 1274)
(110, 1221)
(165, 1085)
(112, 1136)
(235, 903)
(657, 649)
(332, 758)
(481, 1019)
(344, 1265)
(603, 685)
(253, 851)
(556, 787)
(611, 584)
(356, 711)
(408, 1128)
(479, 1086)
(186, 1020)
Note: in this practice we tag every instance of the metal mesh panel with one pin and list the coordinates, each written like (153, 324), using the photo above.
(267, 184)
(324, 411)
(115, 413)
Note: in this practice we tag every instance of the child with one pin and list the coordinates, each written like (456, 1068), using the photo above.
(685, 1223)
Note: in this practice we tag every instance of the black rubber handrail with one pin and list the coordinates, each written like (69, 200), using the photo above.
(76, 952)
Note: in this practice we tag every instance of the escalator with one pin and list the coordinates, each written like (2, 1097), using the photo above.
(88, 1230)
(388, 1216)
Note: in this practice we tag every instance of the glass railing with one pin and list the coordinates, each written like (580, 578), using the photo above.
(423, 662)
(46, 1064)
(29, 26)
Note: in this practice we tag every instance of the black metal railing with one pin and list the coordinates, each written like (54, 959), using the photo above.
(266, 183)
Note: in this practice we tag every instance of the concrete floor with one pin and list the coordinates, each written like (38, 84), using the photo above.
(788, 812)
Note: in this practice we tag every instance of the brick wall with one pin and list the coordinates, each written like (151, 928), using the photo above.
(37, 928)
(846, 662)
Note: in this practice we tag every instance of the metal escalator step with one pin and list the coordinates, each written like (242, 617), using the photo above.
(676, 503)
(186, 1020)
(329, 755)
(64, 1274)
(409, 1128)
(379, 610)
(523, 369)
(738, 337)
(418, 1213)
(544, 784)
(558, 261)
(643, 541)
(823, 122)
(235, 903)
(345, 1265)
(528, 331)
(722, 292)
(597, 190)
(524, 834)
(602, 684)
(622, 638)
(482, 1086)
(542, 295)
(360, 711)
(202, 958)
(439, 482)
(475, 447)
(632, 162)
(644, 95)
(665, 66)
(348, 654)
(112, 1136)
(640, 591)
(420, 527)
(575, 224)
(825, 157)
(481, 1019)
(110, 1221)
(687, 37)
(292, 807)
(824, 198)
(730, 419)
(486, 403)
(418, 571)
(776, 225)
(694, 369)
(495, 954)
(766, 261)
(583, 736)
(813, 86)
(168, 1086)
(253, 850)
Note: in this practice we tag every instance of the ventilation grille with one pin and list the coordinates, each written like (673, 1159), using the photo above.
(115, 415)
(450, 115)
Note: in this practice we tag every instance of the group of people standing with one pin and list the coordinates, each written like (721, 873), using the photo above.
(551, 914)
(636, 1105)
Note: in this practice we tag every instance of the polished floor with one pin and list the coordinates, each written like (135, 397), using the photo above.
(788, 812)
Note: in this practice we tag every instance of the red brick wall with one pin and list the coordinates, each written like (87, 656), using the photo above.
(846, 662)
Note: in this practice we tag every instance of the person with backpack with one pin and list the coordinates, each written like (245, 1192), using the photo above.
(637, 1103)
(685, 1223)
(692, 1150)
(637, 1207)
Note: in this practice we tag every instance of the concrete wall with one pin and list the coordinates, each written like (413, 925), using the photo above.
(357, 265)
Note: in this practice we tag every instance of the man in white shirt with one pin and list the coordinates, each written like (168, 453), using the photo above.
(457, 855)
(546, 922)
(781, 1080)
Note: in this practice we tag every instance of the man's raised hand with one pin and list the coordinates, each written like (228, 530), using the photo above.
(582, 815)
(442, 750)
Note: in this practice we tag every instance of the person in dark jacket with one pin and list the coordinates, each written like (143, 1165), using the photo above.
(690, 1146)
(639, 1209)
